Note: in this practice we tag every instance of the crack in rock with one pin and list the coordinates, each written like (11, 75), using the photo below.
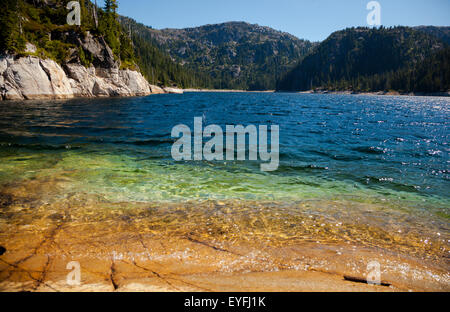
(39, 281)
(195, 241)
(50, 237)
(141, 240)
(154, 273)
(112, 276)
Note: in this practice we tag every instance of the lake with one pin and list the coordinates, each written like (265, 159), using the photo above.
(359, 169)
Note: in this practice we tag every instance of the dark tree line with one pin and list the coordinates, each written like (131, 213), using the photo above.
(385, 59)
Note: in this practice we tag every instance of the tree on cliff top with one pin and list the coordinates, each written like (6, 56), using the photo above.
(114, 35)
(12, 38)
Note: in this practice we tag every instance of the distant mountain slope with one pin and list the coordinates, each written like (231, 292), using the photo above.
(364, 59)
(234, 55)
(442, 33)
(155, 63)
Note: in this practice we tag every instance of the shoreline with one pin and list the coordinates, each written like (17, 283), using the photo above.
(199, 246)
(115, 257)
(390, 93)
(225, 91)
(387, 93)
(154, 90)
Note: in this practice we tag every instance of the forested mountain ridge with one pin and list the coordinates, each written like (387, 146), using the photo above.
(440, 32)
(234, 55)
(156, 64)
(367, 59)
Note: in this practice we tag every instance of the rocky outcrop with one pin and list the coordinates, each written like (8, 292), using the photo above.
(157, 90)
(35, 78)
(104, 82)
(32, 78)
(97, 47)
(173, 90)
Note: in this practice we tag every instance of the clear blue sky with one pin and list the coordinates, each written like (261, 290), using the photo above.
(309, 19)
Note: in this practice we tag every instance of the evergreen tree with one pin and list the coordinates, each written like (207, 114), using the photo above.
(12, 38)
(400, 58)
(109, 25)
(116, 37)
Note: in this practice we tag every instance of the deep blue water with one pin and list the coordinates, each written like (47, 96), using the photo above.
(375, 146)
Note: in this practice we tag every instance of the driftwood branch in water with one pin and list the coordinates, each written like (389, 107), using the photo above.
(363, 280)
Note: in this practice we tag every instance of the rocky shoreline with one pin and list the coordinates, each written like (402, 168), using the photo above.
(155, 246)
(32, 78)
(123, 253)
(389, 93)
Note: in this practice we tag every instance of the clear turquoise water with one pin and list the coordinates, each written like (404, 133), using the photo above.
(388, 150)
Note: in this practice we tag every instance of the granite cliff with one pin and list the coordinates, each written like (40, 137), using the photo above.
(30, 77)
(42, 57)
